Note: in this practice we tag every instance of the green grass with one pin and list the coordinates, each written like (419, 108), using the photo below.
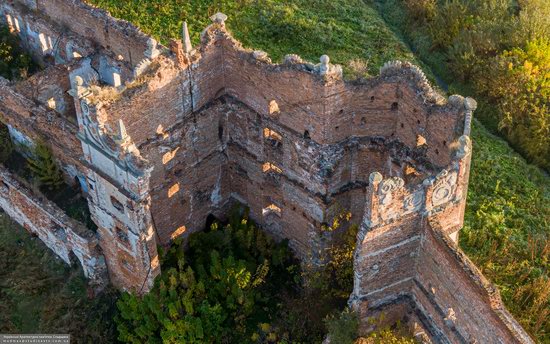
(343, 29)
(39, 293)
(507, 227)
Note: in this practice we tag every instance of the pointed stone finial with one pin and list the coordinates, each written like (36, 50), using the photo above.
(122, 134)
(219, 18)
(187, 46)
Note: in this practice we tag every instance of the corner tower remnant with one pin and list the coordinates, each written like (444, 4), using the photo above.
(161, 138)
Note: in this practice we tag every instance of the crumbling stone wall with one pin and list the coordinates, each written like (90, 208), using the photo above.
(446, 280)
(36, 122)
(61, 234)
(260, 143)
(167, 137)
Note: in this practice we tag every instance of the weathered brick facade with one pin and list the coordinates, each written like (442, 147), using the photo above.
(161, 138)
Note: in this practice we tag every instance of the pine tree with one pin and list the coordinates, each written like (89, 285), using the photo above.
(44, 167)
(6, 145)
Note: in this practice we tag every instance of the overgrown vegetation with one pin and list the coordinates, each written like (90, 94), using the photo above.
(14, 63)
(495, 50)
(44, 168)
(222, 289)
(38, 167)
(507, 228)
(41, 294)
(233, 284)
(351, 33)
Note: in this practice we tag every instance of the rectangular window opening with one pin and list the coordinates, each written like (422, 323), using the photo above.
(269, 167)
(272, 135)
(271, 209)
(116, 204)
(122, 235)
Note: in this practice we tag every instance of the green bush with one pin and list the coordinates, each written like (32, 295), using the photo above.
(14, 63)
(343, 329)
(44, 167)
(519, 82)
(222, 289)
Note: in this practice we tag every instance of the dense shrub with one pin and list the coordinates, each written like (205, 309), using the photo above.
(224, 288)
(519, 83)
(14, 64)
(498, 47)
(235, 284)
(45, 169)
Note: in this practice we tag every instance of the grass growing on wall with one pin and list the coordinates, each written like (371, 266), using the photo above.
(39, 293)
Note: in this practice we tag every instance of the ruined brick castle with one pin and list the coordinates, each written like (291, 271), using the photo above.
(159, 138)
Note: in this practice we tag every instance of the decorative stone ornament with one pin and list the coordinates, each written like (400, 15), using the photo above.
(324, 66)
(387, 187)
(464, 146)
(414, 201)
(444, 187)
(261, 56)
(152, 50)
(293, 59)
(219, 18)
